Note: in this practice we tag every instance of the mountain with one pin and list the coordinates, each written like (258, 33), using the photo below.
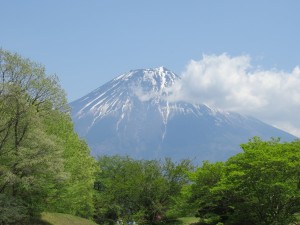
(131, 115)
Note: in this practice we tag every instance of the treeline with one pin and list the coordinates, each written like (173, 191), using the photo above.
(260, 185)
(45, 166)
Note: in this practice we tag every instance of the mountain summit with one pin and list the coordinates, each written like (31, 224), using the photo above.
(131, 115)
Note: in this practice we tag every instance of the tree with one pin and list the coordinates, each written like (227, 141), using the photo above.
(40, 154)
(257, 186)
(11, 210)
(137, 190)
(265, 177)
(75, 195)
(30, 159)
(200, 198)
(117, 185)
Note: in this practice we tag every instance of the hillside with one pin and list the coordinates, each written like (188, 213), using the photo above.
(63, 219)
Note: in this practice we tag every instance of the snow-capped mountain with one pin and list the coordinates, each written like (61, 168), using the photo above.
(131, 115)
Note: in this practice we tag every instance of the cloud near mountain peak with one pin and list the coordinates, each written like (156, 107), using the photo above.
(232, 83)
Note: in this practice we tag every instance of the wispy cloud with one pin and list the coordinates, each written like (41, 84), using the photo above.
(144, 95)
(232, 83)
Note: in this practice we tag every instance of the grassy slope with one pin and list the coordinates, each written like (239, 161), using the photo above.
(184, 221)
(64, 219)
(189, 220)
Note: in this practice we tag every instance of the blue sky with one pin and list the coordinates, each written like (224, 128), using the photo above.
(87, 43)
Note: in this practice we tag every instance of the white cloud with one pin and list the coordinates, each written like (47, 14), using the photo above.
(232, 83)
(145, 95)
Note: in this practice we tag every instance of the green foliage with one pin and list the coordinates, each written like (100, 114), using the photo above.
(261, 185)
(137, 190)
(30, 159)
(75, 195)
(267, 181)
(41, 158)
(12, 210)
(200, 198)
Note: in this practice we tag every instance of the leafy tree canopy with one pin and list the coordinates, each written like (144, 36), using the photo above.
(261, 185)
(137, 190)
(36, 161)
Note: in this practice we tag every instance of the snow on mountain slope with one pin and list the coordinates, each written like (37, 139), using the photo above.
(131, 115)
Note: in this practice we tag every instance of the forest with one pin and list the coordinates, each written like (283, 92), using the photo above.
(46, 167)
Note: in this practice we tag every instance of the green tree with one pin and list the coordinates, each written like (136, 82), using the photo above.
(139, 190)
(30, 159)
(265, 178)
(257, 186)
(75, 195)
(117, 186)
(200, 198)
(41, 157)
(11, 210)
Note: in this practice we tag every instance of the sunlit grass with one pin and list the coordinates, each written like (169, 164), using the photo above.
(64, 219)
(184, 221)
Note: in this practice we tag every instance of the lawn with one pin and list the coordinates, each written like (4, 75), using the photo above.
(63, 219)
(188, 220)
(184, 221)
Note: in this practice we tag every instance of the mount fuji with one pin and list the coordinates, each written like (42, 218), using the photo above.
(131, 115)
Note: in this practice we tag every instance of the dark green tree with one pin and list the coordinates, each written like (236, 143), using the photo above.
(201, 199)
(137, 190)
(118, 188)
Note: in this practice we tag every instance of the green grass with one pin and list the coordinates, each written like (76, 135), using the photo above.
(188, 220)
(184, 221)
(63, 219)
